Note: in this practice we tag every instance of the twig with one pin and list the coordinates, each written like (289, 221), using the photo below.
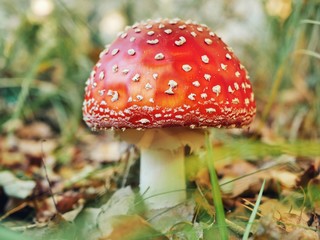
(14, 210)
(128, 165)
(31, 226)
(235, 227)
(47, 177)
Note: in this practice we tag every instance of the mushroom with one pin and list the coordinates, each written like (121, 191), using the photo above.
(170, 79)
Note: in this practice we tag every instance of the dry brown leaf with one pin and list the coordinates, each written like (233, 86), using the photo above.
(289, 217)
(285, 178)
(132, 228)
(163, 219)
(301, 234)
(230, 186)
(268, 229)
(72, 214)
(237, 168)
(68, 201)
(248, 186)
(107, 151)
(35, 130)
(12, 159)
(36, 148)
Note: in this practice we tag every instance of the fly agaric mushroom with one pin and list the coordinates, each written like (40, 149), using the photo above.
(171, 79)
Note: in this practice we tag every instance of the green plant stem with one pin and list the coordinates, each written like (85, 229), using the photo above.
(254, 213)
(216, 193)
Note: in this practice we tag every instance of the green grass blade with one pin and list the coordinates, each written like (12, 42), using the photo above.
(309, 53)
(310, 21)
(254, 213)
(216, 193)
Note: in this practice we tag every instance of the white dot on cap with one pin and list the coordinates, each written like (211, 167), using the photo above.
(114, 51)
(205, 59)
(216, 89)
(155, 76)
(132, 39)
(186, 67)
(208, 41)
(223, 66)
(153, 41)
(196, 83)
(193, 34)
(182, 40)
(192, 96)
(131, 52)
(207, 77)
(136, 77)
(159, 56)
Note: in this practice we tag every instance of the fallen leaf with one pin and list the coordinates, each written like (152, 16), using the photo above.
(285, 178)
(237, 168)
(132, 227)
(37, 148)
(301, 234)
(35, 130)
(268, 229)
(106, 151)
(68, 201)
(121, 203)
(163, 219)
(14, 187)
(71, 215)
(289, 217)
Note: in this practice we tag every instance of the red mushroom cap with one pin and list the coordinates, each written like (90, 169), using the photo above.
(168, 73)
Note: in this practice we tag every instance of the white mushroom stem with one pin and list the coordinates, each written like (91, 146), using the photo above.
(162, 177)
(162, 171)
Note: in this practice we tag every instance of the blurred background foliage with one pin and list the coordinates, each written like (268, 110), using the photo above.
(47, 49)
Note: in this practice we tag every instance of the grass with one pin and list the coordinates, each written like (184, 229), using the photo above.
(216, 192)
(253, 214)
